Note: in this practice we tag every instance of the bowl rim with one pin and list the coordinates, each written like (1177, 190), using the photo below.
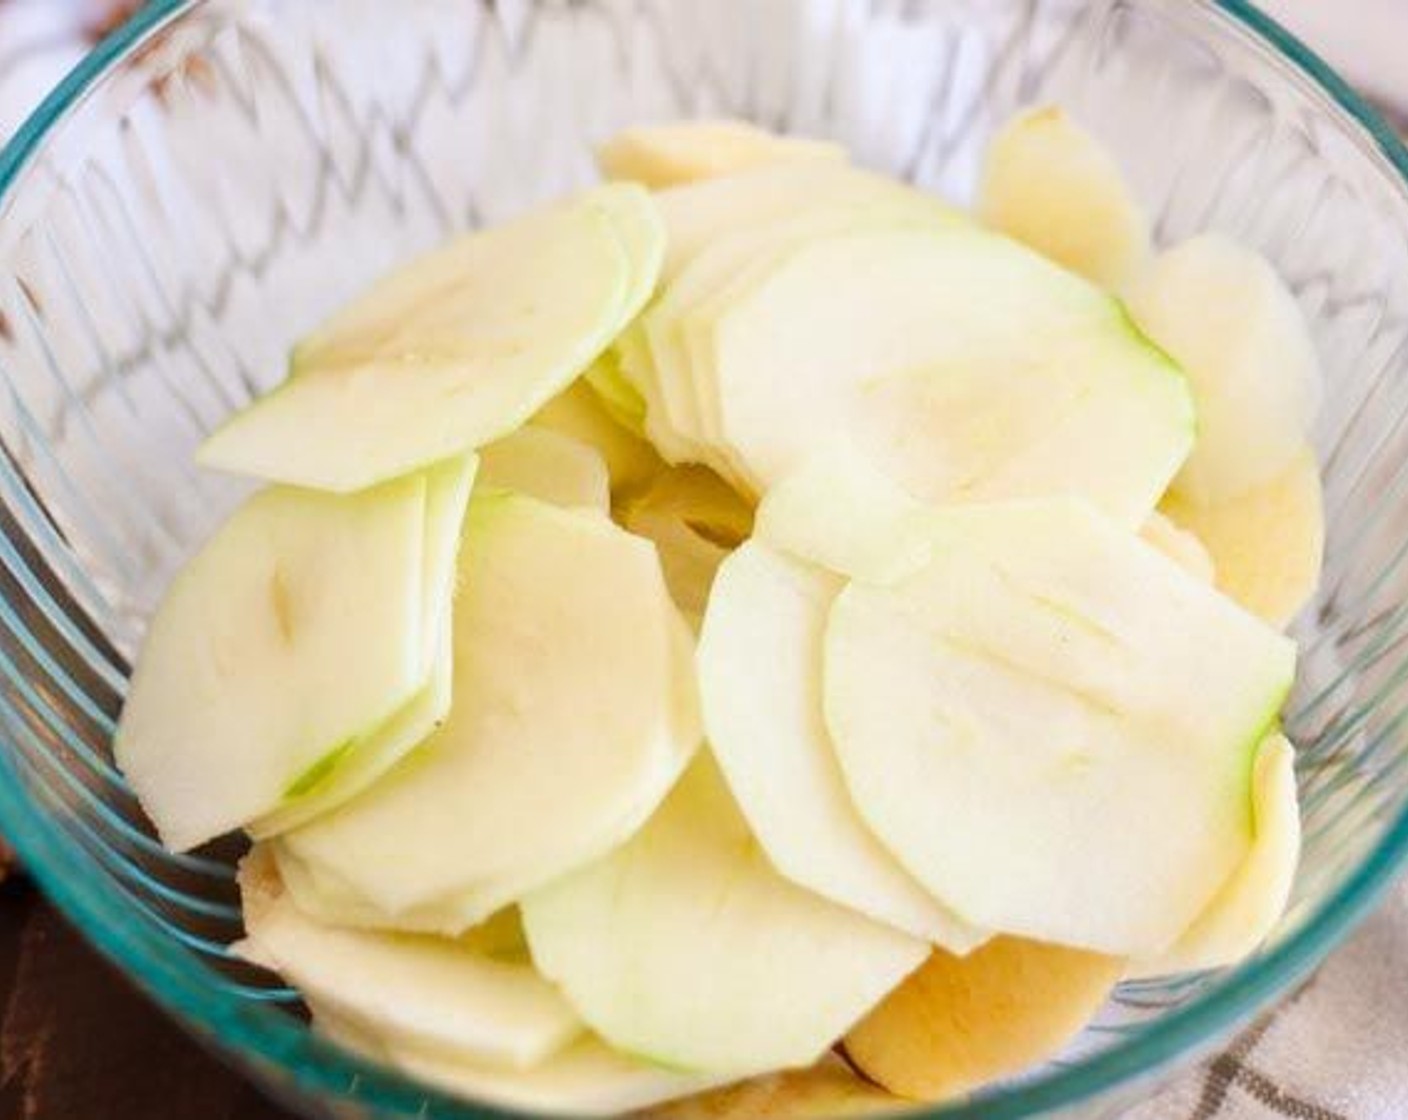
(286, 1052)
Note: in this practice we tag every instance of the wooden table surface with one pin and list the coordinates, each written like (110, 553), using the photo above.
(78, 1042)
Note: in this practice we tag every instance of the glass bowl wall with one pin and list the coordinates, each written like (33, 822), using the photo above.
(220, 175)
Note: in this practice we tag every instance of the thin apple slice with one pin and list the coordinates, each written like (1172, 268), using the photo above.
(453, 351)
(1247, 908)
(573, 690)
(684, 944)
(1180, 545)
(675, 323)
(840, 512)
(617, 395)
(588, 1078)
(734, 266)
(667, 155)
(822, 1092)
(1050, 184)
(231, 702)
(698, 214)
(548, 466)
(696, 217)
(695, 520)
(760, 665)
(1268, 544)
(837, 510)
(338, 777)
(1228, 318)
(342, 774)
(578, 412)
(959, 1023)
(636, 365)
(1016, 695)
(638, 222)
(903, 343)
(430, 992)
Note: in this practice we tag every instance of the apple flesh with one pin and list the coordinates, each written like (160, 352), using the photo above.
(840, 512)
(760, 663)
(686, 947)
(548, 466)
(1230, 321)
(573, 689)
(1180, 545)
(441, 995)
(580, 413)
(1012, 698)
(232, 713)
(339, 777)
(587, 1078)
(697, 215)
(667, 155)
(1268, 544)
(617, 396)
(959, 1023)
(668, 352)
(918, 366)
(1250, 903)
(1050, 184)
(455, 350)
(822, 1092)
(695, 520)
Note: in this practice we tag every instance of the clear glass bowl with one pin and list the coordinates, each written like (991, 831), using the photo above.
(219, 175)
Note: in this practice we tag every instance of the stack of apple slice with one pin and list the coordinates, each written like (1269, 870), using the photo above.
(752, 614)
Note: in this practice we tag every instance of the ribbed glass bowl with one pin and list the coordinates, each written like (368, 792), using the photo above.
(220, 175)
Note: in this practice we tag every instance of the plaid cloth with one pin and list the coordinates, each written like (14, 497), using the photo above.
(1335, 1050)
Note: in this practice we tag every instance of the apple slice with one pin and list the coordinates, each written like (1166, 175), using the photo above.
(1051, 185)
(231, 703)
(588, 1078)
(337, 777)
(840, 512)
(1247, 908)
(678, 328)
(837, 510)
(903, 342)
(617, 395)
(578, 412)
(695, 520)
(1180, 545)
(667, 155)
(760, 661)
(685, 946)
(428, 992)
(697, 215)
(573, 690)
(1055, 694)
(698, 218)
(959, 1023)
(548, 466)
(1268, 544)
(453, 351)
(822, 1092)
(1225, 314)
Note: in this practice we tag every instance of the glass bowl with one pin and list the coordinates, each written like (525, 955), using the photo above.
(218, 175)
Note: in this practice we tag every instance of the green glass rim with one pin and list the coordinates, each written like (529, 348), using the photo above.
(285, 1051)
